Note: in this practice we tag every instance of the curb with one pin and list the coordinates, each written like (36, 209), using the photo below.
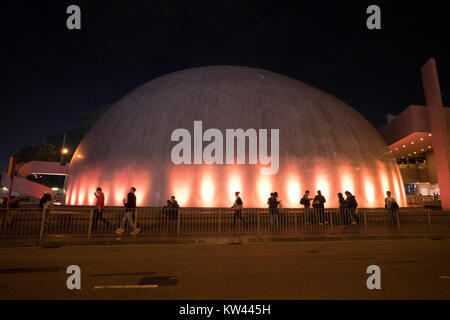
(60, 242)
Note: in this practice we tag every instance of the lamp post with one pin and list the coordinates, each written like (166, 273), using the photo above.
(64, 151)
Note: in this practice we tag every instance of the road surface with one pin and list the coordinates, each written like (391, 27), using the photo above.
(410, 269)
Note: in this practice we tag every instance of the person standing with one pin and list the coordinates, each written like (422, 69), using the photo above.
(352, 205)
(343, 210)
(237, 206)
(99, 206)
(318, 205)
(130, 208)
(273, 208)
(45, 197)
(306, 202)
(173, 207)
(391, 205)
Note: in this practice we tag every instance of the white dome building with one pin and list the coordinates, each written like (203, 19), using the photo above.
(324, 144)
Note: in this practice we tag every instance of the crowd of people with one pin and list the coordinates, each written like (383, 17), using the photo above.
(314, 209)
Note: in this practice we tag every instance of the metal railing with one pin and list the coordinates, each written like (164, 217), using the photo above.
(421, 200)
(87, 222)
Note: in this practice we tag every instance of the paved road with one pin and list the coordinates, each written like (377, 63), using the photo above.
(411, 269)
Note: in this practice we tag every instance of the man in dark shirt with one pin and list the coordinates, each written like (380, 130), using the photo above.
(306, 202)
(318, 204)
(173, 207)
(130, 206)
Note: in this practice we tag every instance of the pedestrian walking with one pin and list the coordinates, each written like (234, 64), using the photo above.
(130, 207)
(237, 206)
(99, 206)
(318, 205)
(391, 205)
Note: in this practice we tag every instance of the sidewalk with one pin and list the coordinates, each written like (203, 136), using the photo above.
(55, 242)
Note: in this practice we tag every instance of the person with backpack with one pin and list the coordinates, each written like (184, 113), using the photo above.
(237, 206)
(318, 205)
(306, 202)
(391, 205)
(352, 204)
(99, 206)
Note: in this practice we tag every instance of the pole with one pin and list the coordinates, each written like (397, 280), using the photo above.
(11, 173)
(63, 146)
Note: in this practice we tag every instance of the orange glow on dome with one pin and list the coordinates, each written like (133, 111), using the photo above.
(182, 193)
(81, 196)
(397, 195)
(234, 184)
(322, 184)
(264, 189)
(384, 180)
(347, 182)
(293, 191)
(369, 191)
(207, 191)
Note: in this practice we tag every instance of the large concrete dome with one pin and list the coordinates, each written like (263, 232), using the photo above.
(323, 143)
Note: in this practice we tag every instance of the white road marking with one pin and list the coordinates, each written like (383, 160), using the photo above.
(128, 286)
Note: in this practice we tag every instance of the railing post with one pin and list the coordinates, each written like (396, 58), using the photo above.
(331, 220)
(41, 231)
(296, 220)
(258, 222)
(219, 221)
(429, 222)
(365, 221)
(5, 222)
(178, 222)
(136, 220)
(398, 220)
(91, 215)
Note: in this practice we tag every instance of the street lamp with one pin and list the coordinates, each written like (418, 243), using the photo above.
(64, 151)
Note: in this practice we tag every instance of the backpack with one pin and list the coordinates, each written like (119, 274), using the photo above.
(352, 202)
(303, 201)
(394, 206)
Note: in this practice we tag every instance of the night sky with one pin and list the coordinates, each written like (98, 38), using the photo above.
(52, 75)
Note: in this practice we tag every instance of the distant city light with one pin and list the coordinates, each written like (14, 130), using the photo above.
(65, 151)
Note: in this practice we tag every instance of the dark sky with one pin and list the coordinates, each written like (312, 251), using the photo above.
(50, 75)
